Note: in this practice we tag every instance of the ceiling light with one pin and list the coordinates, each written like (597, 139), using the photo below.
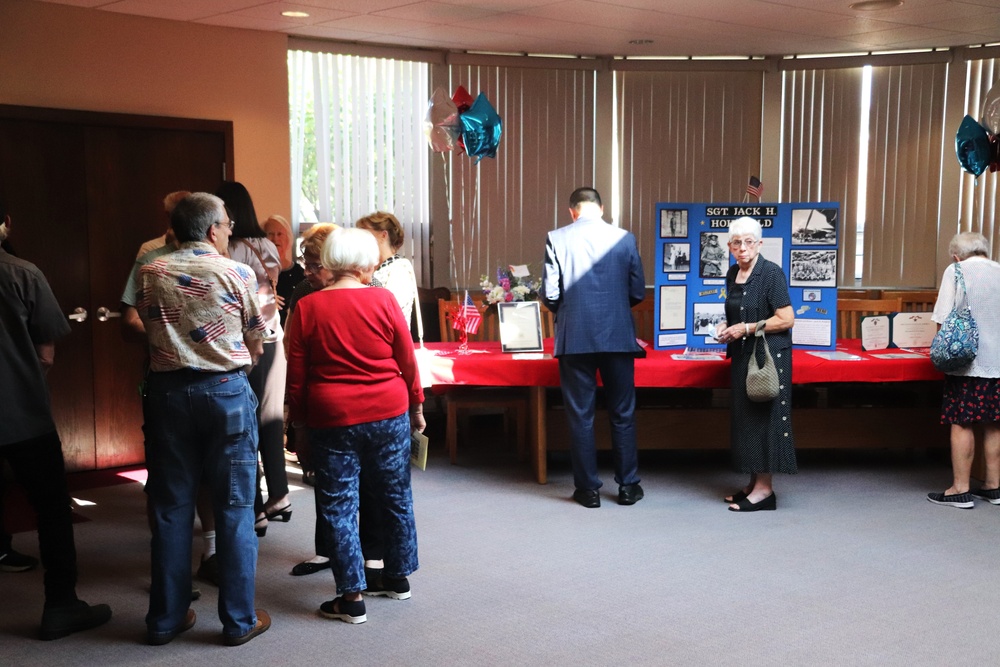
(640, 41)
(295, 15)
(875, 5)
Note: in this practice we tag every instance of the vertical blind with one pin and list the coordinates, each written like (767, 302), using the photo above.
(821, 125)
(357, 143)
(684, 137)
(502, 208)
(905, 168)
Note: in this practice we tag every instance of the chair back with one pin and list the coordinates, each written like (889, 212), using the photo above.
(913, 301)
(850, 312)
(489, 328)
(427, 302)
(644, 316)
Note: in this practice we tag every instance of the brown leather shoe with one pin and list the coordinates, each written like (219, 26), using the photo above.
(161, 638)
(263, 623)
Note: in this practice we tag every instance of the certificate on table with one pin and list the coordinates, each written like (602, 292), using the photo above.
(520, 326)
(875, 331)
(913, 329)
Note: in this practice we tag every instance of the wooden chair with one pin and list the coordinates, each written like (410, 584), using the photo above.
(644, 316)
(512, 402)
(427, 301)
(913, 301)
(548, 321)
(850, 312)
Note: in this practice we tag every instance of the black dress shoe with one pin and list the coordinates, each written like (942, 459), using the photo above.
(769, 503)
(630, 494)
(306, 567)
(587, 497)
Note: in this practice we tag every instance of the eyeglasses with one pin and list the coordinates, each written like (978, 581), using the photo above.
(230, 224)
(749, 243)
(312, 267)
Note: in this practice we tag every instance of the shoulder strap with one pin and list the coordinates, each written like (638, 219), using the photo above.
(960, 285)
(274, 285)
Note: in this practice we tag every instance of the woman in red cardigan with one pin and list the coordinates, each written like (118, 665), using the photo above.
(352, 380)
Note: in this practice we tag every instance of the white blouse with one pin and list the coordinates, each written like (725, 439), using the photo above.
(396, 275)
(240, 251)
(982, 284)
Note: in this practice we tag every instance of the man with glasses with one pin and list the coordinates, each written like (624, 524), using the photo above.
(205, 329)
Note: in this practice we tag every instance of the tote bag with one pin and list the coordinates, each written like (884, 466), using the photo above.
(762, 381)
(957, 342)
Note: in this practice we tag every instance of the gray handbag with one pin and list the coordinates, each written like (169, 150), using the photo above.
(762, 381)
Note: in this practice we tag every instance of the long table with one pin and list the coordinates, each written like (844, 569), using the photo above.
(485, 365)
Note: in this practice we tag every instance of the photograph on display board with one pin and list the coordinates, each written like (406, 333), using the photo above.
(814, 268)
(707, 317)
(676, 257)
(673, 223)
(714, 255)
(673, 304)
(772, 249)
(814, 226)
(812, 295)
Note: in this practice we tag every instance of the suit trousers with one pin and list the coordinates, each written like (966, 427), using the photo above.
(578, 377)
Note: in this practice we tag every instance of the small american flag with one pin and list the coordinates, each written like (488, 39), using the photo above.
(755, 187)
(193, 286)
(209, 332)
(467, 317)
(166, 315)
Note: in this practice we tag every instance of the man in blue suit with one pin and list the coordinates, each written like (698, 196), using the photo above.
(591, 279)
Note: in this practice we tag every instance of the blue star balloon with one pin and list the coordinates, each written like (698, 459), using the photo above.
(972, 145)
(481, 129)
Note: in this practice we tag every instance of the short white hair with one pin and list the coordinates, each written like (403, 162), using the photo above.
(968, 244)
(745, 227)
(350, 250)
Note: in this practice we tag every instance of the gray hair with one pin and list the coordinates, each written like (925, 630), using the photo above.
(350, 250)
(967, 244)
(194, 215)
(745, 227)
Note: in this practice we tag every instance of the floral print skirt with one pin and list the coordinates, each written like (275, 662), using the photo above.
(970, 400)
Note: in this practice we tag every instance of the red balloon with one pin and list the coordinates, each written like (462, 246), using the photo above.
(462, 99)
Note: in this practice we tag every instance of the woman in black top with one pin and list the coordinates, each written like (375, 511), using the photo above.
(760, 433)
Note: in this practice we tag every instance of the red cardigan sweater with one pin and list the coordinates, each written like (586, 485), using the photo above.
(350, 359)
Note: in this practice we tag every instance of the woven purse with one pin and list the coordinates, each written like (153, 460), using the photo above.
(762, 381)
(957, 341)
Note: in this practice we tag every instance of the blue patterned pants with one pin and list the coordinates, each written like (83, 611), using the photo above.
(382, 449)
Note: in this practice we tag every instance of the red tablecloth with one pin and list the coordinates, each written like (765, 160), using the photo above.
(487, 366)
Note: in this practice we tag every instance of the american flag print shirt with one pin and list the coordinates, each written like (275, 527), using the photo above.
(199, 309)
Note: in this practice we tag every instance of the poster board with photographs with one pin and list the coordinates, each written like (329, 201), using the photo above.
(693, 257)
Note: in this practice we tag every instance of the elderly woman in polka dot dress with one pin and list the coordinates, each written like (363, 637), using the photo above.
(760, 433)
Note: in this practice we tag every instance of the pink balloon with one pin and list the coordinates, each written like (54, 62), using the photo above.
(441, 125)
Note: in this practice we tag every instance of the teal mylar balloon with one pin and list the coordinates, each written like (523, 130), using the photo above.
(481, 129)
(972, 145)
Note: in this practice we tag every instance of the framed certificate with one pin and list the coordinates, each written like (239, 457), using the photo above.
(520, 326)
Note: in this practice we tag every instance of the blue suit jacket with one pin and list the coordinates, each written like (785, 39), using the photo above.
(591, 279)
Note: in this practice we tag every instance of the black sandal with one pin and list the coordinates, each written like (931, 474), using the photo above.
(769, 503)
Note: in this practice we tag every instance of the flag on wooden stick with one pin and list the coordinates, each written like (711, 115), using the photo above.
(467, 317)
(755, 187)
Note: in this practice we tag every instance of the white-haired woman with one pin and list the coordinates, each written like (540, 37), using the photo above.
(972, 394)
(760, 433)
(353, 381)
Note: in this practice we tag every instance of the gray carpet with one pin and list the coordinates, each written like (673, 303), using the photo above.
(855, 568)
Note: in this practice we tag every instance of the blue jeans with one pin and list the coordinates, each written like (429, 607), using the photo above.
(578, 377)
(382, 449)
(201, 427)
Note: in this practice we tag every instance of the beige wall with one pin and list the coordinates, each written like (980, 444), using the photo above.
(69, 58)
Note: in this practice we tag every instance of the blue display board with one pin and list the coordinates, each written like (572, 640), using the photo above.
(692, 258)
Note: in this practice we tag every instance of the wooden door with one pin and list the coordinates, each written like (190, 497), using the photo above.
(85, 190)
(129, 171)
(43, 178)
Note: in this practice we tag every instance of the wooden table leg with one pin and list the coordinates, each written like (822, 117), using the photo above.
(536, 416)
